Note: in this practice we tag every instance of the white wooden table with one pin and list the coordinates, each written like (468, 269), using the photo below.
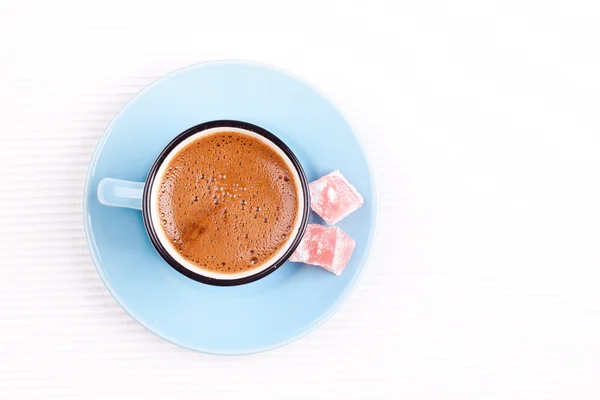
(481, 120)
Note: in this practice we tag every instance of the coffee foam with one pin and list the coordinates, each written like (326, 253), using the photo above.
(251, 230)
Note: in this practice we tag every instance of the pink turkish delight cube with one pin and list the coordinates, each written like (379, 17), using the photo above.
(329, 248)
(334, 198)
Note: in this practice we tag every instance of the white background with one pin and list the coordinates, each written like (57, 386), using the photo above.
(482, 123)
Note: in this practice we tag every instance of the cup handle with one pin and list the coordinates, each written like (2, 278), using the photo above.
(119, 193)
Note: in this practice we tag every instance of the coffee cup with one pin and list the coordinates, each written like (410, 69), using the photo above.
(144, 196)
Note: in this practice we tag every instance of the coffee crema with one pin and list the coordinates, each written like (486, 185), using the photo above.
(227, 202)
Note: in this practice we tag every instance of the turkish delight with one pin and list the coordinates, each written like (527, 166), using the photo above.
(334, 198)
(327, 247)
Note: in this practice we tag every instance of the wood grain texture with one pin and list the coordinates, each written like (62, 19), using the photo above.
(482, 124)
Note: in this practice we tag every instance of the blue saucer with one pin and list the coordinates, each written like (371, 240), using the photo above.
(223, 320)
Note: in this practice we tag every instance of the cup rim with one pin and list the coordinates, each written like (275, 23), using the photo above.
(147, 200)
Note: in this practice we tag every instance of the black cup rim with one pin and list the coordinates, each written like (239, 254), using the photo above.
(146, 201)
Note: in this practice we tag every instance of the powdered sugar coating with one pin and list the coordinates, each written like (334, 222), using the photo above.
(334, 198)
(329, 248)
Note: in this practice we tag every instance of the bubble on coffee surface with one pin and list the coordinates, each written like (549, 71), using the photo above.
(241, 200)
